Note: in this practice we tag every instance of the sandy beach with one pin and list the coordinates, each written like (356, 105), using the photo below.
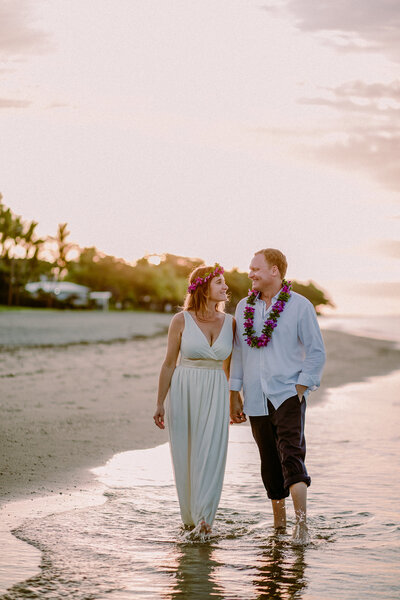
(79, 388)
(69, 407)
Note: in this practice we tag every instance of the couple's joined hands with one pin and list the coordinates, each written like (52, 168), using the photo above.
(236, 408)
(236, 404)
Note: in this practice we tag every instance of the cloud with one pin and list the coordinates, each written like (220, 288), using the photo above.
(12, 103)
(371, 144)
(381, 99)
(389, 248)
(19, 36)
(387, 289)
(57, 105)
(369, 153)
(349, 25)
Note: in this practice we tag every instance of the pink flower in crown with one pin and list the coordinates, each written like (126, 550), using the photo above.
(217, 270)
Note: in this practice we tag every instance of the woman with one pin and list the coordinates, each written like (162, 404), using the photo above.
(198, 407)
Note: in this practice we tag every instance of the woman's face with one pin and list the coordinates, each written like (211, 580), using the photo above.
(217, 290)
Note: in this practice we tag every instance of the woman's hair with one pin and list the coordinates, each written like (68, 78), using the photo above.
(197, 299)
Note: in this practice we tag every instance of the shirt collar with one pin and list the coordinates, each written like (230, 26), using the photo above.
(273, 299)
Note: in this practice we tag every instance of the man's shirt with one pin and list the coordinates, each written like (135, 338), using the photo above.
(294, 355)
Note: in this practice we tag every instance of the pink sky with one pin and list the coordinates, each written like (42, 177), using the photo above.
(211, 129)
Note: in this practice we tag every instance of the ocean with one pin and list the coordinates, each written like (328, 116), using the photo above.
(129, 543)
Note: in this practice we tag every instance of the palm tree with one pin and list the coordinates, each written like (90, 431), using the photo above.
(62, 251)
(12, 231)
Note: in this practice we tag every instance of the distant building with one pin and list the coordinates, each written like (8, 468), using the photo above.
(68, 292)
(101, 299)
(64, 291)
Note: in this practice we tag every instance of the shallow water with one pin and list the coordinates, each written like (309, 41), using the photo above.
(132, 546)
(381, 327)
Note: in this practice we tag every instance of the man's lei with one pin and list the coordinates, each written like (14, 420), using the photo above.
(217, 270)
(252, 339)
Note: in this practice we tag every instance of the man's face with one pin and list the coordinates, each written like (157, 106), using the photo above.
(261, 274)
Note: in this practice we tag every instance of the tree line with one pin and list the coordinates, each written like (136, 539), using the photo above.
(26, 257)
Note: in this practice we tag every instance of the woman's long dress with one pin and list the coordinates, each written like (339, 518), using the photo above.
(198, 421)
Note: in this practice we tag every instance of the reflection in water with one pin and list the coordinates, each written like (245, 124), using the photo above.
(130, 546)
(281, 572)
(194, 573)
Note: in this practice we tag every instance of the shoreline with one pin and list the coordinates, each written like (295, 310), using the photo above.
(56, 442)
(24, 557)
(67, 409)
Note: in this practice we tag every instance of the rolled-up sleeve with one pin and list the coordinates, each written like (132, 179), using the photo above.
(236, 371)
(310, 336)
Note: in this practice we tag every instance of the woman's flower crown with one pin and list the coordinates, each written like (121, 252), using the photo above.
(217, 270)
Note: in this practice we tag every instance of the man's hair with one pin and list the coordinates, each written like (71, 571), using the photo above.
(275, 257)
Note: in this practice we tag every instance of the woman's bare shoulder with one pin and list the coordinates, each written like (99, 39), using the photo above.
(178, 320)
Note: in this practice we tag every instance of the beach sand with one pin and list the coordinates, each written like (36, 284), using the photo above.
(67, 408)
(77, 388)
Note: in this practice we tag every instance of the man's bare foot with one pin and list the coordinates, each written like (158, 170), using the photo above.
(300, 534)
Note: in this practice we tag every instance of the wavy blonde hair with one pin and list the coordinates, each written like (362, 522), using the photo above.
(275, 257)
(197, 300)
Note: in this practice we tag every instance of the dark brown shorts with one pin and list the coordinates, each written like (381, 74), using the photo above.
(280, 440)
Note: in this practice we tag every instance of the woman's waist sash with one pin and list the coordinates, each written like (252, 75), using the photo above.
(201, 363)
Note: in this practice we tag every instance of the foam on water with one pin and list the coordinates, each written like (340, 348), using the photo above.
(132, 545)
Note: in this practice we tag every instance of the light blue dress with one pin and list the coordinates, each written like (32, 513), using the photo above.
(198, 420)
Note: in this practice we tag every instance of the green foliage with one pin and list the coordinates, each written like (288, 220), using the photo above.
(17, 238)
(239, 285)
(143, 285)
(61, 252)
(315, 296)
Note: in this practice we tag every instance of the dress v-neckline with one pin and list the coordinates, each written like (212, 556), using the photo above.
(206, 338)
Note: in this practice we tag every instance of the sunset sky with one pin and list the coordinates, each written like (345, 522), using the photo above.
(211, 129)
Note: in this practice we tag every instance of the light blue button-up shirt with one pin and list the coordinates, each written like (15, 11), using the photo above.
(294, 355)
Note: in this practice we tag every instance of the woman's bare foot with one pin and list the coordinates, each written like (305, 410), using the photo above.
(205, 528)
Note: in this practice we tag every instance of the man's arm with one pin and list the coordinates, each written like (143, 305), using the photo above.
(236, 375)
(310, 336)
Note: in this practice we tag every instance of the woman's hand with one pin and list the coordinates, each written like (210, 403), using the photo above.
(159, 417)
(236, 408)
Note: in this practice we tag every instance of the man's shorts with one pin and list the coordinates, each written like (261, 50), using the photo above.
(280, 440)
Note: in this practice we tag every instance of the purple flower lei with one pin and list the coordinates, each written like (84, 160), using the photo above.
(252, 339)
(217, 270)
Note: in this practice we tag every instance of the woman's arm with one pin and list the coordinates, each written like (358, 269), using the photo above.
(227, 362)
(168, 366)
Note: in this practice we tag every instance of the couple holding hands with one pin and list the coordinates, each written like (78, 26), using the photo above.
(273, 350)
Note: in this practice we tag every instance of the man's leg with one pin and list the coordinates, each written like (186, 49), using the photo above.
(289, 422)
(298, 491)
(271, 470)
(279, 510)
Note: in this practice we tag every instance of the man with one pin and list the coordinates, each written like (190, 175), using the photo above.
(278, 358)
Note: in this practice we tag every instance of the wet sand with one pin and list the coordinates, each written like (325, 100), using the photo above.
(69, 407)
(55, 328)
